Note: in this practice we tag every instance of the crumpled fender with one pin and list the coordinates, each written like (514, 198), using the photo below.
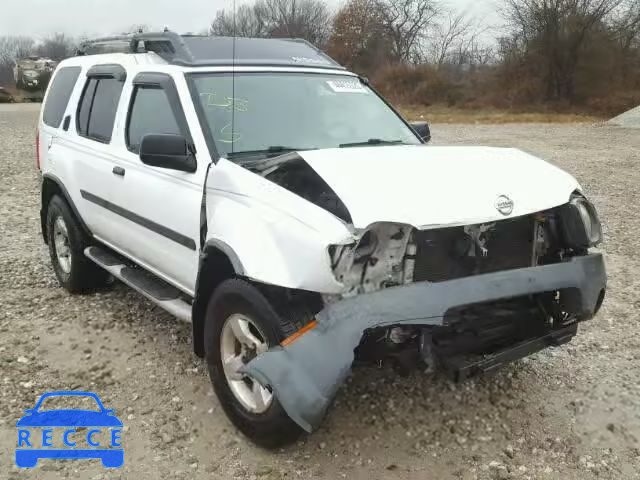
(306, 374)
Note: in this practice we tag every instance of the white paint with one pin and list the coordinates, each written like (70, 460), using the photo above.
(347, 86)
(278, 237)
(430, 187)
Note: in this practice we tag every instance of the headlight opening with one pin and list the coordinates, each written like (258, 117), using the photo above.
(581, 227)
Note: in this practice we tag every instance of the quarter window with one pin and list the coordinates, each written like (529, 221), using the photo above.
(151, 113)
(98, 107)
(59, 94)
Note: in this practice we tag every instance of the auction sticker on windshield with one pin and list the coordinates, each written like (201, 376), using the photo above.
(347, 86)
(91, 431)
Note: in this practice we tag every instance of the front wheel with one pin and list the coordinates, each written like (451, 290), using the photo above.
(240, 324)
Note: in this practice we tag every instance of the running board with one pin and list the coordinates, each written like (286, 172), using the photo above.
(142, 281)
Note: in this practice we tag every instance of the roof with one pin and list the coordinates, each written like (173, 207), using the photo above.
(198, 51)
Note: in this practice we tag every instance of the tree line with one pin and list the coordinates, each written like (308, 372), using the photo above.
(546, 53)
(574, 54)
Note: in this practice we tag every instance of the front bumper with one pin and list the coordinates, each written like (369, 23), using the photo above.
(306, 374)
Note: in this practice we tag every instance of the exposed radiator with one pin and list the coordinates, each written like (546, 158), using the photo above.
(449, 253)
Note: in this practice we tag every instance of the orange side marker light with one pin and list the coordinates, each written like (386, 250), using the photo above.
(292, 338)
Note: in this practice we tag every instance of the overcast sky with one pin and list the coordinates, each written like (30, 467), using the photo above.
(98, 17)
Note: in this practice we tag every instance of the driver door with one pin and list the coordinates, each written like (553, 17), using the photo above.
(161, 206)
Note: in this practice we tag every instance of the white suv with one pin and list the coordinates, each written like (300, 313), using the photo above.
(259, 190)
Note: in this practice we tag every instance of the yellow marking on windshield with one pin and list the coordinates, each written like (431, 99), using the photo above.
(232, 137)
(226, 103)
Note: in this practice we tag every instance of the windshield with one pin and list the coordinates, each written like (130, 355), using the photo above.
(276, 112)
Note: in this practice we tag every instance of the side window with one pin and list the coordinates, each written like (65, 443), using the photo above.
(85, 106)
(150, 112)
(98, 107)
(59, 93)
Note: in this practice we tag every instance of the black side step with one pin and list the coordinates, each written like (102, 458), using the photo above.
(151, 284)
(155, 289)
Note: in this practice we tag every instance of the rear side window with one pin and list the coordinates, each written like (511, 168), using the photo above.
(151, 112)
(59, 93)
(98, 107)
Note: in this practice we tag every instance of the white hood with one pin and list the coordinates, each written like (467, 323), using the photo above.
(429, 187)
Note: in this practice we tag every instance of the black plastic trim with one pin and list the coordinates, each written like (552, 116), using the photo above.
(108, 70)
(67, 197)
(202, 119)
(228, 251)
(393, 109)
(142, 221)
(461, 367)
(151, 284)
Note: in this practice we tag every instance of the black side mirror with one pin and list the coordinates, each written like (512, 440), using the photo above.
(167, 151)
(422, 129)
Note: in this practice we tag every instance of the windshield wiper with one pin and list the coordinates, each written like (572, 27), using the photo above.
(269, 151)
(372, 141)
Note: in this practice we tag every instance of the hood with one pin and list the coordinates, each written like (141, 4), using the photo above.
(430, 187)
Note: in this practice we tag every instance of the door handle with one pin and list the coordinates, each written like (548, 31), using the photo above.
(118, 171)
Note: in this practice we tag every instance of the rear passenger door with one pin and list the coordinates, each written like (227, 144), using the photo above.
(161, 230)
(58, 95)
(82, 151)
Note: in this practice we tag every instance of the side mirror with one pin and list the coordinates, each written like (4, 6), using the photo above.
(422, 129)
(167, 151)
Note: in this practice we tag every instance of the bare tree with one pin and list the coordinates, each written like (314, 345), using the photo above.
(554, 33)
(12, 47)
(626, 25)
(406, 22)
(448, 38)
(57, 47)
(248, 21)
(474, 51)
(359, 38)
(308, 19)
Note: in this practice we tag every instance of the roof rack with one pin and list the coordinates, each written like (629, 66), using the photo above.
(202, 50)
(163, 43)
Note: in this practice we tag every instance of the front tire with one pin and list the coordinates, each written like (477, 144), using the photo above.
(67, 241)
(241, 323)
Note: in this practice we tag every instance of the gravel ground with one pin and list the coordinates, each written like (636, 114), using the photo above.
(567, 413)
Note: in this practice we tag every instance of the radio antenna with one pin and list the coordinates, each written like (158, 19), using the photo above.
(233, 80)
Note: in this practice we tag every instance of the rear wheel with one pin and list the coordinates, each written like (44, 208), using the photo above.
(240, 324)
(75, 272)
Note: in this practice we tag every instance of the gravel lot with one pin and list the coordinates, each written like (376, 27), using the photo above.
(567, 413)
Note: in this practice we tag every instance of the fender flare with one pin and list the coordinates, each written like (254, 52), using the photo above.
(226, 264)
(44, 202)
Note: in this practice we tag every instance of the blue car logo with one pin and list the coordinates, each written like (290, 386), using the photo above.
(31, 447)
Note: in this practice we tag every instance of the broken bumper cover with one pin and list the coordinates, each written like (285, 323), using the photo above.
(306, 374)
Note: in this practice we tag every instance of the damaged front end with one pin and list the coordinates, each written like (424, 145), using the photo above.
(465, 299)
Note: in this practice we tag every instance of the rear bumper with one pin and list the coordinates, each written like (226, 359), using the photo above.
(307, 373)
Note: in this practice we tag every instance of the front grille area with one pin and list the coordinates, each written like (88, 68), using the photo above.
(449, 253)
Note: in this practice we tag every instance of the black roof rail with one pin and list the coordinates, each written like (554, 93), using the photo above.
(203, 50)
